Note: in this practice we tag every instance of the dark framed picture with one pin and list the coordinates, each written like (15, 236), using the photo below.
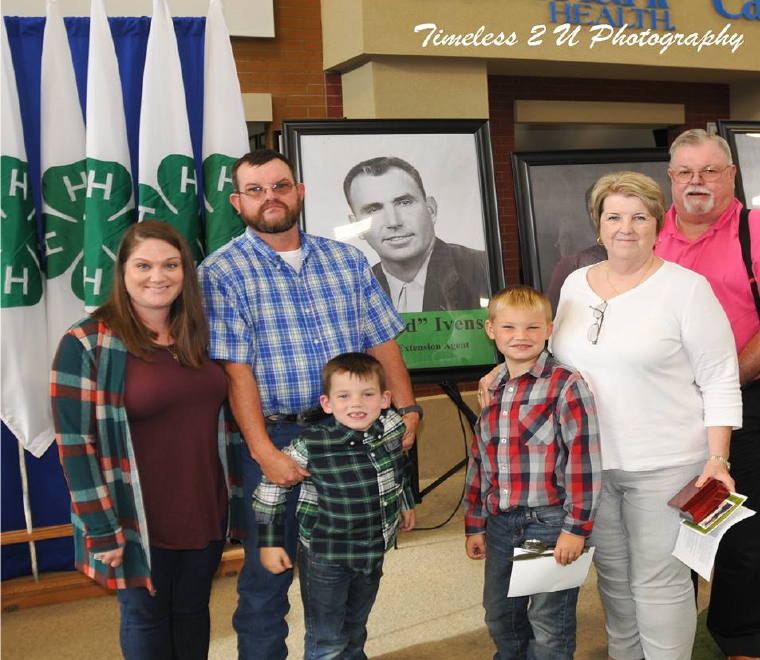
(418, 199)
(552, 190)
(744, 139)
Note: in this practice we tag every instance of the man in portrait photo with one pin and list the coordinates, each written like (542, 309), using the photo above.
(420, 272)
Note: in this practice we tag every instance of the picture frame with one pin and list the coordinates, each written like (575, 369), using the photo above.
(551, 192)
(743, 138)
(444, 336)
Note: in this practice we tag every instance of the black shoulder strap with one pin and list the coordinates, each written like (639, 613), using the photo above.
(744, 240)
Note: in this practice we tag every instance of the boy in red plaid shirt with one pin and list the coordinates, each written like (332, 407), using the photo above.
(534, 474)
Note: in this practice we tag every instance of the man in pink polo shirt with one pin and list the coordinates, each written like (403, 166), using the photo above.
(701, 232)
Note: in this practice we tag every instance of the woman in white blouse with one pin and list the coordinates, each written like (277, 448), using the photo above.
(656, 348)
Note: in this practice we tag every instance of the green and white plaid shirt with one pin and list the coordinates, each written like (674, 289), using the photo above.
(349, 509)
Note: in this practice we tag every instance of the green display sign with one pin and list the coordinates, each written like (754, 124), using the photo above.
(446, 339)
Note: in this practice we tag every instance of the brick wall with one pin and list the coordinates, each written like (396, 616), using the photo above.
(334, 95)
(289, 67)
(703, 103)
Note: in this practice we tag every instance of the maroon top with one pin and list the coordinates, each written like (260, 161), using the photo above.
(173, 414)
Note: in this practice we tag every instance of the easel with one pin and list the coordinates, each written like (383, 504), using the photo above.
(452, 391)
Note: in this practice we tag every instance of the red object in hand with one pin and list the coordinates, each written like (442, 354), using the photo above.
(695, 504)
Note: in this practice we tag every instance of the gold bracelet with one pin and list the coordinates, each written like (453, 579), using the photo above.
(722, 459)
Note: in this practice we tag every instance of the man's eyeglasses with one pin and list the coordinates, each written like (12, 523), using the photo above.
(709, 174)
(257, 192)
(596, 326)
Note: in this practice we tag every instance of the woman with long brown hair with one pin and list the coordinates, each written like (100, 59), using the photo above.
(151, 462)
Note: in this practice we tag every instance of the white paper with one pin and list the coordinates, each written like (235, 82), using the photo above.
(544, 574)
(698, 550)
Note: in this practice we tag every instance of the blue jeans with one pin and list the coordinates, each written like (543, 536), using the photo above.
(541, 627)
(174, 624)
(259, 619)
(336, 604)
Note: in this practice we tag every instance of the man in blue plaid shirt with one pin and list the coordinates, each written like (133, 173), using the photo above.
(281, 304)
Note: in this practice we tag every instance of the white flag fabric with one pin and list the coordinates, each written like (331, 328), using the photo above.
(168, 188)
(64, 179)
(225, 134)
(25, 401)
(109, 202)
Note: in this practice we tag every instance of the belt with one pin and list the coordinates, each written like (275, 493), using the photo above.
(304, 418)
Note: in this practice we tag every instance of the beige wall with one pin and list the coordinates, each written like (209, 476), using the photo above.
(387, 27)
(594, 112)
(440, 445)
(412, 87)
(389, 70)
(745, 101)
(245, 18)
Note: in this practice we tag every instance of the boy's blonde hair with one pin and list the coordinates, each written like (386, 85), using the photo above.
(522, 297)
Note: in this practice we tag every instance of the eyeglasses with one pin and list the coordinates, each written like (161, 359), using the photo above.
(596, 326)
(257, 192)
(709, 174)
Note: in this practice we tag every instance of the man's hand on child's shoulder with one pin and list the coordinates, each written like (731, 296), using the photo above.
(475, 546)
(275, 560)
(568, 548)
(408, 520)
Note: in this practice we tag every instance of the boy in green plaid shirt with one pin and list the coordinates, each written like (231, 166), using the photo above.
(356, 498)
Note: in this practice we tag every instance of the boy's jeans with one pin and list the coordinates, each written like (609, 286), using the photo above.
(539, 628)
(336, 603)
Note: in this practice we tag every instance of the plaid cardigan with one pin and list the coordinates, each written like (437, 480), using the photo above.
(107, 512)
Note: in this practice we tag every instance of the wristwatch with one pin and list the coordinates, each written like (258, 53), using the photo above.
(408, 409)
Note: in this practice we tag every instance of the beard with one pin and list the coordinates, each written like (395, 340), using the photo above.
(258, 222)
(698, 205)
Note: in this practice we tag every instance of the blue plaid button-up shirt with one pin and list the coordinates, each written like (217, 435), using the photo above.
(287, 324)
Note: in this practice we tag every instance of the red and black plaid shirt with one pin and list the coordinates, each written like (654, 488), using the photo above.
(536, 444)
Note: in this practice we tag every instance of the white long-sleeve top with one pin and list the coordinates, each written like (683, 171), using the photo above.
(663, 369)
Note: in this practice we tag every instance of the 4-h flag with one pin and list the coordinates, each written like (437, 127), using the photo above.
(64, 180)
(168, 189)
(109, 200)
(23, 337)
(225, 135)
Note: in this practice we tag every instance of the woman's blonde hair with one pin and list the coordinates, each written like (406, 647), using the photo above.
(631, 184)
(187, 319)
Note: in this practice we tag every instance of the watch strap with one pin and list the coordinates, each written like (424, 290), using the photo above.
(407, 409)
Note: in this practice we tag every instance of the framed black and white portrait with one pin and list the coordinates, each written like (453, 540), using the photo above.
(552, 189)
(744, 139)
(418, 199)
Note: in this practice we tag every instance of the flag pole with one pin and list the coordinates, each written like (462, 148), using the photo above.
(27, 509)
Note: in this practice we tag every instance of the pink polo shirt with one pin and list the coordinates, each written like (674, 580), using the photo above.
(717, 255)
